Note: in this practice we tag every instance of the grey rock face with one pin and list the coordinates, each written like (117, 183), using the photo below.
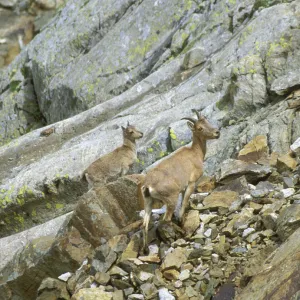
(103, 63)
(231, 169)
(10, 245)
(288, 221)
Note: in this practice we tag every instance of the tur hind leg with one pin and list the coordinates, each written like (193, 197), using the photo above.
(189, 190)
(148, 201)
(171, 205)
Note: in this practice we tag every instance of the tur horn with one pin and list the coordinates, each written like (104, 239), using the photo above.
(197, 113)
(190, 119)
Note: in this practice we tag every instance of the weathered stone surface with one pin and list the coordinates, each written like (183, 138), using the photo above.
(149, 290)
(164, 294)
(43, 257)
(91, 294)
(295, 147)
(220, 199)
(52, 289)
(104, 211)
(194, 58)
(239, 185)
(286, 163)
(249, 54)
(10, 245)
(132, 249)
(8, 3)
(191, 222)
(288, 221)
(255, 149)
(231, 169)
(231, 87)
(279, 277)
(118, 243)
(102, 278)
(174, 259)
(206, 184)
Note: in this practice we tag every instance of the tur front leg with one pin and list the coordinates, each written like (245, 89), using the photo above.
(189, 190)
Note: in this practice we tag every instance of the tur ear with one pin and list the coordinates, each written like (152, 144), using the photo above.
(128, 124)
(123, 128)
(190, 125)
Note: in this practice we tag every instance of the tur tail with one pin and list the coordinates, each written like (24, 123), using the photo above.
(146, 191)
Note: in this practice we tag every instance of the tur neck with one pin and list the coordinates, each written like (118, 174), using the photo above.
(199, 144)
(128, 143)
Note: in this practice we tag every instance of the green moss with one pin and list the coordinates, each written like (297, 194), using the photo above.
(188, 4)
(142, 47)
(184, 36)
(245, 34)
(162, 154)
(81, 41)
(23, 194)
(5, 196)
(261, 3)
(193, 27)
(284, 44)
(33, 213)
(48, 205)
(15, 85)
(59, 205)
(19, 219)
(12, 74)
(150, 150)
(173, 136)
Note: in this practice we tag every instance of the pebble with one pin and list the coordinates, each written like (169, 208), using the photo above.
(65, 276)
(184, 275)
(164, 294)
(288, 192)
(247, 231)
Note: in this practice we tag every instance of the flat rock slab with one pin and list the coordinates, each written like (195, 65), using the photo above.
(220, 199)
(91, 294)
(11, 244)
(255, 149)
(103, 211)
(279, 278)
(232, 168)
(174, 259)
(43, 257)
(288, 221)
(191, 222)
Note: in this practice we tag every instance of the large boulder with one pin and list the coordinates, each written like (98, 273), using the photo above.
(41, 171)
(13, 243)
(103, 211)
(46, 256)
(231, 169)
(288, 221)
(279, 275)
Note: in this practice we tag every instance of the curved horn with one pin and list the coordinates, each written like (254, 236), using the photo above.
(190, 119)
(197, 113)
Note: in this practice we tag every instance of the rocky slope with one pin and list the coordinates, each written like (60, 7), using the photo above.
(237, 63)
(238, 239)
(99, 64)
(20, 21)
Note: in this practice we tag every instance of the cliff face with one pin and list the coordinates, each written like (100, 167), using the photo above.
(99, 64)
